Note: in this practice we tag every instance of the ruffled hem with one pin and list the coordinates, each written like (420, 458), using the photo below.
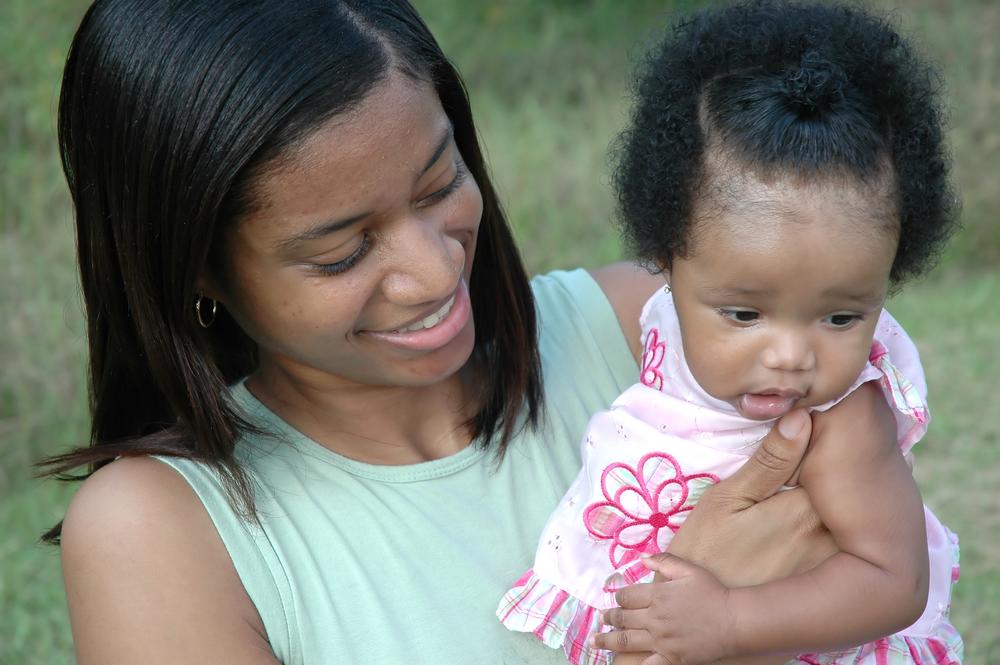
(555, 617)
(563, 621)
(944, 649)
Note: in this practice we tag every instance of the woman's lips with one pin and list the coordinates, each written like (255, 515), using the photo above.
(767, 406)
(454, 319)
(430, 320)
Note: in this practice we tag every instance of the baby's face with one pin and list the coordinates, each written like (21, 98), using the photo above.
(780, 294)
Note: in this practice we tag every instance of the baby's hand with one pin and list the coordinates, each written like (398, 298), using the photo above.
(684, 620)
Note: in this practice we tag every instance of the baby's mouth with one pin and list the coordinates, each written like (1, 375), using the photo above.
(767, 406)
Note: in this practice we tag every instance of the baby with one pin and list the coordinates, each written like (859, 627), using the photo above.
(784, 170)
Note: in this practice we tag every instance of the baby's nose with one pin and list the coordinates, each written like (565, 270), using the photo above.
(790, 352)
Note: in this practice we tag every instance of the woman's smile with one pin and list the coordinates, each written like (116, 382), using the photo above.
(434, 330)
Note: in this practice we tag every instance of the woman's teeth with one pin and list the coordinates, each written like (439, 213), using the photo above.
(431, 320)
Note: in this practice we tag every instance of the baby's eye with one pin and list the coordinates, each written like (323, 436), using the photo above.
(842, 320)
(740, 315)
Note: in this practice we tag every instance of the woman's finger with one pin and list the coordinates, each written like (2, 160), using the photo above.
(624, 641)
(772, 464)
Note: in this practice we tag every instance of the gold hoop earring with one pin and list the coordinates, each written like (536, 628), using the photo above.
(197, 312)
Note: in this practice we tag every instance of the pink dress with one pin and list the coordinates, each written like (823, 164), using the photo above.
(646, 461)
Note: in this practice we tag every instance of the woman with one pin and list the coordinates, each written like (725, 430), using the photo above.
(315, 357)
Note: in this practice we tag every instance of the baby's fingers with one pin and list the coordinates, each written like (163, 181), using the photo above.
(620, 618)
(623, 641)
(669, 567)
(636, 596)
(656, 659)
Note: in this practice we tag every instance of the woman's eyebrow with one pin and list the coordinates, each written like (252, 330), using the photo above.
(442, 145)
(319, 231)
(326, 228)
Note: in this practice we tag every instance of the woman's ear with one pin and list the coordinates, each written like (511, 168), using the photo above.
(208, 286)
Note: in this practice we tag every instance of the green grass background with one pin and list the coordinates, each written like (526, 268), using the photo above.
(547, 81)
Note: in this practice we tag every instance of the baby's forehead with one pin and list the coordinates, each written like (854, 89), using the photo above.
(797, 250)
(740, 201)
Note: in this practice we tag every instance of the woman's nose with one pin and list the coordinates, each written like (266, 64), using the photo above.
(790, 351)
(425, 264)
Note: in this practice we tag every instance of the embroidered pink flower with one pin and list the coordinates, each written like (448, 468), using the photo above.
(652, 360)
(640, 502)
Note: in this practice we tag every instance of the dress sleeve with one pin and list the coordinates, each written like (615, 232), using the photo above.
(902, 380)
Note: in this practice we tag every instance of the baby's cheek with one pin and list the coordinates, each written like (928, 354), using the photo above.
(717, 372)
(841, 375)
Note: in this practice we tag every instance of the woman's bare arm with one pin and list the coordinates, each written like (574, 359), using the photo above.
(148, 579)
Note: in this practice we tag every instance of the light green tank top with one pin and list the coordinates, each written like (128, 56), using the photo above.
(358, 563)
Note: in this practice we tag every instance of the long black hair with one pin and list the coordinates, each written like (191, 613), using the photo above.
(786, 88)
(169, 110)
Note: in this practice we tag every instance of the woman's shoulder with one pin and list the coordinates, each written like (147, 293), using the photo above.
(141, 554)
(580, 336)
(607, 300)
(120, 501)
(628, 287)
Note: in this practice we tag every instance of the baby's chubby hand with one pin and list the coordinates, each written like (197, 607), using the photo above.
(684, 620)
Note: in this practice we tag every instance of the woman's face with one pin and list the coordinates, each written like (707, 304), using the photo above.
(354, 266)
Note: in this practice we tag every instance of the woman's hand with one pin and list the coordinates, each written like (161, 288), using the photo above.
(740, 532)
(745, 533)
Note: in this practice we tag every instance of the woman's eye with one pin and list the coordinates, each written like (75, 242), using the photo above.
(460, 174)
(842, 320)
(740, 315)
(346, 264)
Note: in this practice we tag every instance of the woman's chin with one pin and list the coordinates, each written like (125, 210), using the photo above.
(439, 365)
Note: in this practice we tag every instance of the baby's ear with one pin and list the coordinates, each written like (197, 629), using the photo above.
(665, 272)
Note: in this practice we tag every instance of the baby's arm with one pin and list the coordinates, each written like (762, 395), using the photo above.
(864, 493)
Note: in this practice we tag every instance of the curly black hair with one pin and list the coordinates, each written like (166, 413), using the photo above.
(787, 88)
